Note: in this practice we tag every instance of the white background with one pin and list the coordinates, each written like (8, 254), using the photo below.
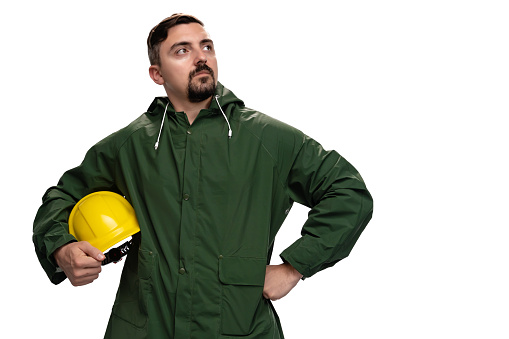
(413, 93)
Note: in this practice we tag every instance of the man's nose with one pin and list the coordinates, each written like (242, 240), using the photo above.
(200, 58)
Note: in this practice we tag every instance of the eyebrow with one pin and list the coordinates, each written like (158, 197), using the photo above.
(186, 43)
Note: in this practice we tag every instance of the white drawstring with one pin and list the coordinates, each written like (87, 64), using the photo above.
(161, 129)
(230, 133)
(225, 118)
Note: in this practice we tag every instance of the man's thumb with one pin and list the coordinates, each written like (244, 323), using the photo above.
(91, 251)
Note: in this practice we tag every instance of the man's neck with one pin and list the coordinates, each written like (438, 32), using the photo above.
(192, 109)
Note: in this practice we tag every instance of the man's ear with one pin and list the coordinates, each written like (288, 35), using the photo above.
(155, 74)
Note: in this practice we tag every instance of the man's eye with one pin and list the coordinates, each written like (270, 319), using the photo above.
(181, 51)
(207, 47)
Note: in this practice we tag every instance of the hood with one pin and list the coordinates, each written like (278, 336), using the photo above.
(226, 97)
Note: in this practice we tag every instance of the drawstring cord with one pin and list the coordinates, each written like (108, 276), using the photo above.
(225, 118)
(230, 133)
(161, 129)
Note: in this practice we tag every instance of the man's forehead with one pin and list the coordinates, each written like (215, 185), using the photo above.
(191, 32)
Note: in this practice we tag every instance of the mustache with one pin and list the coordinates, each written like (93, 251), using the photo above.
(199, 68)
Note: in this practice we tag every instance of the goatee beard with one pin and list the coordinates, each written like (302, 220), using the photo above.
(204, 89)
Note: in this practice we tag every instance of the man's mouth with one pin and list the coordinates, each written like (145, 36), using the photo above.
(201, 70)
(202, 73)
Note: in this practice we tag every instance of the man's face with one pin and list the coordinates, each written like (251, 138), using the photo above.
(188, 63)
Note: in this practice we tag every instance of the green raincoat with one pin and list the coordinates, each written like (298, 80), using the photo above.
(209, 207)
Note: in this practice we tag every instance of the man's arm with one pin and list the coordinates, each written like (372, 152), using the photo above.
(51, 229)
(340, 203)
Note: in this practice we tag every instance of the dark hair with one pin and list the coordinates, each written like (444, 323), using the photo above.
(160, 32)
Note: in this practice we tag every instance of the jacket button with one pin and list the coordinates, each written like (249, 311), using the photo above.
(188, 131)
(186, 196)
(182, 270)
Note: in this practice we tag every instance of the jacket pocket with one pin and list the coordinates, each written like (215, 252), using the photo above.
(242, 282)
(135, 289)
(145, 269)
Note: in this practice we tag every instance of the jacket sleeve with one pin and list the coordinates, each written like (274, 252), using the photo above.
(51, 229)
(340, 203)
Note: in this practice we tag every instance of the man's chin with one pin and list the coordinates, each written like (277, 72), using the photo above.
(201, 93)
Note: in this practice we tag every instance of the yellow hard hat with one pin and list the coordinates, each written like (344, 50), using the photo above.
(103, 219)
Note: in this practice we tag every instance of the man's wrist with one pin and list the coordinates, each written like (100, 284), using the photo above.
(293, 270)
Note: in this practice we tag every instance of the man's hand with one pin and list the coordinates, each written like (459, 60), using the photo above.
(280, 280)
(80, 261)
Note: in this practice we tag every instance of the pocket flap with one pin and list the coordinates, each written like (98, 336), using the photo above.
(242, 271)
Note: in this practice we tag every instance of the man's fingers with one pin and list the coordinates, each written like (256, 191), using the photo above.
(84, 277)
(80, 261)
(91, 251)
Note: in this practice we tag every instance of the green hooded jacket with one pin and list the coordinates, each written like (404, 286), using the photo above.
(209, 207)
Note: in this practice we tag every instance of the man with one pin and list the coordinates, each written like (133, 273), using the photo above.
(211, 182)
